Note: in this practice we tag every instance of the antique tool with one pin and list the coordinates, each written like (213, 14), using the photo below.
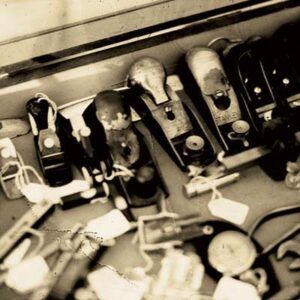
(233, 162)
(12, 128)
(286, 62)
(79, 146)
(246, 71)
(225, 249)
(229, 118)
(144, 184)
(87, 148)
(166, 230)
(49, 143)
(283, 243)
(231, 253)
(84, 197)
(169, 118)
(154, 232)
(263, 90)
(10, 163)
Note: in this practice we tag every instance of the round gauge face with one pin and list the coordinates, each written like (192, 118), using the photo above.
(231, 253)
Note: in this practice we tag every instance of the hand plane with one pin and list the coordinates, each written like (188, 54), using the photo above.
(261, 80)
(257, 78)
(169, 119)
(230, 120)
(49, 144)
(87, 148)
(287, 49)
(129, 150)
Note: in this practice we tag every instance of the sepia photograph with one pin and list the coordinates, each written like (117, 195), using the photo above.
(149, 150)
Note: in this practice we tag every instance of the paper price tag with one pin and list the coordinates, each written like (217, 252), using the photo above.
(28, 275)
(232, 289)
(108, 284)
(229, 210)
(109, 226)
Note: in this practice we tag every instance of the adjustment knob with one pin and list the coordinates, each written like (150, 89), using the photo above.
(240, 126)
(194, 143)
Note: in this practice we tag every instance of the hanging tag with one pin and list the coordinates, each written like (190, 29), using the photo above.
(34, 192)
(232, 289)
(28, 275)
(109, 226)
(229, 210)
(108, 284)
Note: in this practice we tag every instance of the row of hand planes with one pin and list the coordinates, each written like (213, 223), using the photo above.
(247, 92)
(109, 151)
(250, 91)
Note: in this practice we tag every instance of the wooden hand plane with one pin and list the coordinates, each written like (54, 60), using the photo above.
(170, 120)
(48, 140)
(228, 117)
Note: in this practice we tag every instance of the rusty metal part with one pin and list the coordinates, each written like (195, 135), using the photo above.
(216, 90)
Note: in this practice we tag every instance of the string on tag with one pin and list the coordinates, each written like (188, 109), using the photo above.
(22, 176)
(119, 171)
(216, 194)
(221, 207)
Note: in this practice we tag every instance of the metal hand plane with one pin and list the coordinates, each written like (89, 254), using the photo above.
(49, 144)
(264, 77)
(169, 119)
(228, 117)
(265, 84)
(142, 182)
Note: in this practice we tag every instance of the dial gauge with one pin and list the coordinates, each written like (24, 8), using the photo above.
(231, 253)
